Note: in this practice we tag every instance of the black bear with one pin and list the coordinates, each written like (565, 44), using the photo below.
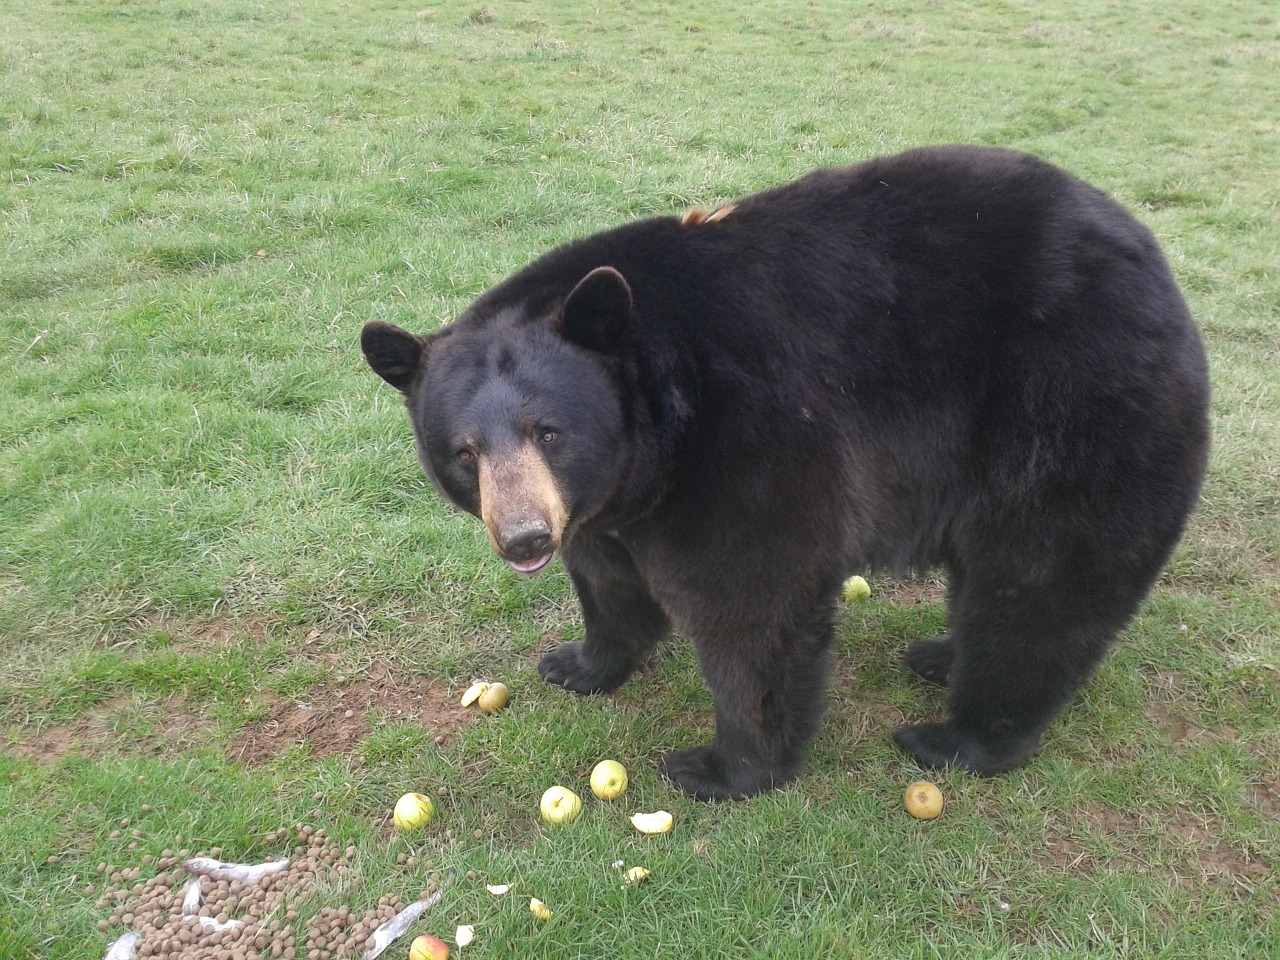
(955, 356)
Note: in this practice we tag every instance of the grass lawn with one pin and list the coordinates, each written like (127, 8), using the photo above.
(229, 602)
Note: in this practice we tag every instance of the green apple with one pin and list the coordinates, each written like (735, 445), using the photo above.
(609, 780)
(412, 811)
(560, 805)
(856, 589)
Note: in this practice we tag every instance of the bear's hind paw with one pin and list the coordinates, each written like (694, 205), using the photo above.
(931, 659)
(938, 745)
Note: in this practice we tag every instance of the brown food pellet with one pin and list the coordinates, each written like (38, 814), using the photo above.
(153, 906)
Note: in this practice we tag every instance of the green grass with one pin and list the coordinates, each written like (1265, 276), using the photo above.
(209, 510)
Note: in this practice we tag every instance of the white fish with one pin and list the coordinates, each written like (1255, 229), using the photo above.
(192, 898)
(126, 948)
(213, 926)
(244, 872)
(395, 928)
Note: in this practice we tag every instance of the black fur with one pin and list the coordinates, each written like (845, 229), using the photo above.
(955, 356)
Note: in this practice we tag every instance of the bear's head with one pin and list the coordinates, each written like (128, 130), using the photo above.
(518, 410)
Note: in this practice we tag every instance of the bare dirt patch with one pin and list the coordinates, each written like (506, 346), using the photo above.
(1192, 843)
(1180, 729)
(1172, 708)
(218, 632)
(328, 718)
(1225, 864)
(334, 718)
(1266, 796)
(122, 724)
(546, 643)
(874, 721)
(905, 593)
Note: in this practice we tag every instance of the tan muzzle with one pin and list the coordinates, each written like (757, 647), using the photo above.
(521, 506)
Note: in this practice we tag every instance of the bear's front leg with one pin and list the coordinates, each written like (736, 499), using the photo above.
(621, 620)
(769, 695)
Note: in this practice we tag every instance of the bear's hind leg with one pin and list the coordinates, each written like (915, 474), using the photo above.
(1020, 654)
(931, 659)
(621, 620)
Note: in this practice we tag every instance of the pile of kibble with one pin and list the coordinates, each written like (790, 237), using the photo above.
(252, 921)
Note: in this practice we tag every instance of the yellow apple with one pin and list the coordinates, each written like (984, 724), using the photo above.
(427, 947)
(637, 875)
(493, 698)
(560, 805)
(923, 800)
(856, 589)
(609, 780)
(473, 693)
(412, 811)
(539, 909)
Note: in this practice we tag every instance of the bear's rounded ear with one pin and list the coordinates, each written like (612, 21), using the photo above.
(597, 314)
(393, 353)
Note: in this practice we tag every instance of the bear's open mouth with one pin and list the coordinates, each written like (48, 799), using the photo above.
(529, 568)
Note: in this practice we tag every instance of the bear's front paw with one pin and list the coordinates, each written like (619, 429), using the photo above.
(937, 745)
(567, 666)
(701, 773)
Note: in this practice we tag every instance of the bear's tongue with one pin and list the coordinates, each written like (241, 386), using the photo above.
(529, 567)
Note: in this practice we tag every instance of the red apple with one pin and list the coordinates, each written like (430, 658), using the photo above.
(427, 947)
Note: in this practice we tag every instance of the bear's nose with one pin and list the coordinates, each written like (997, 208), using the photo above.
(526, 542)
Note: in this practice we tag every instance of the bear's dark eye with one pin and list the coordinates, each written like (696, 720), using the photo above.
(548, 436)
(466, 456)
